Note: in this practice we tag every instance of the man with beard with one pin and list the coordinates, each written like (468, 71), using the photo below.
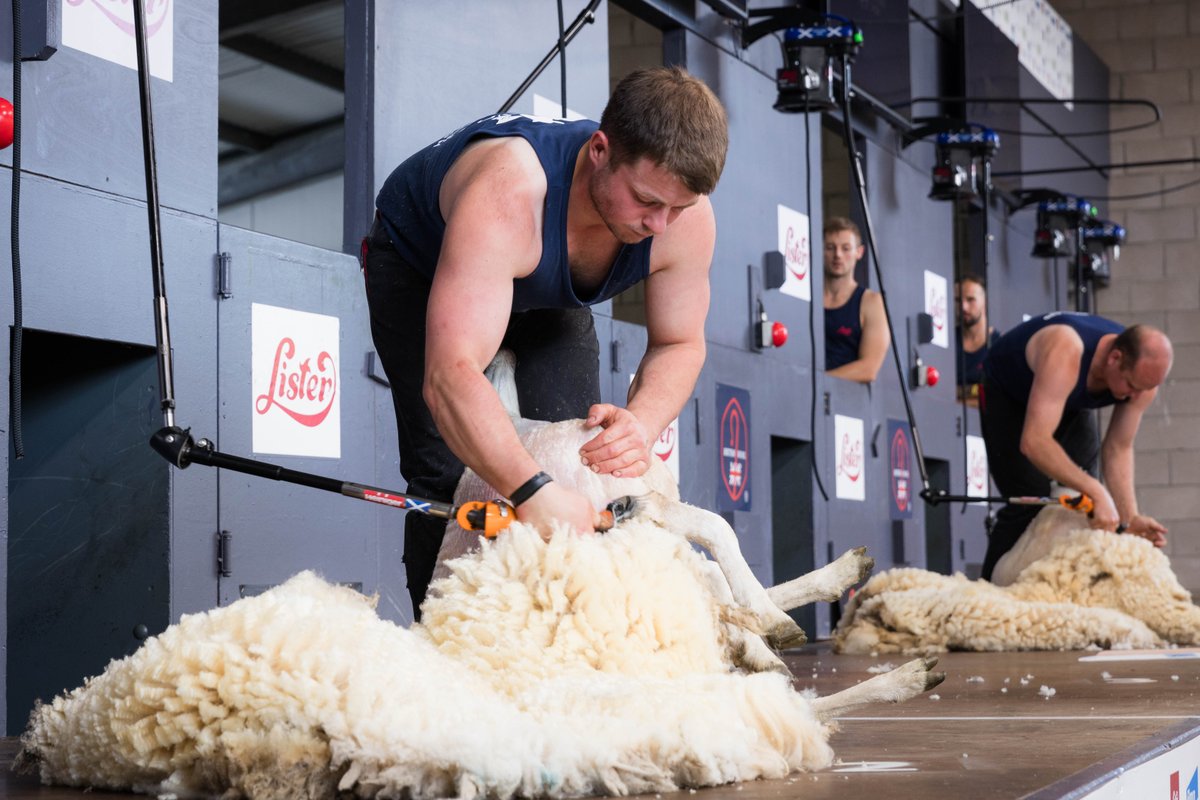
(501, 234)
(973, 335)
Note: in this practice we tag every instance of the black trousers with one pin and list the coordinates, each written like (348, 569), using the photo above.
(1002, 420)
(558, 366)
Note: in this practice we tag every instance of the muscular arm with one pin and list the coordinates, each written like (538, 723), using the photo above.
(1054, 354)
(677, 295)
(873, 347)
(1117, 452)
(491, 201)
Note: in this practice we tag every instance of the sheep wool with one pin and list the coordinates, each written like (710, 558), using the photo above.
(584, 665)
(1068, 589)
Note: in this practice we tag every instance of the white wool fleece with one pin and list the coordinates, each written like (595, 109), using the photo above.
(1069, 588)
(601, 674)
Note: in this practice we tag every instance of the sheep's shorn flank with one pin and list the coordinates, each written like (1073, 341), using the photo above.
(585, 665)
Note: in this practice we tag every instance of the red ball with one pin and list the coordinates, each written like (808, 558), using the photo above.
(932, 376)
(779, 334)
(6, 123)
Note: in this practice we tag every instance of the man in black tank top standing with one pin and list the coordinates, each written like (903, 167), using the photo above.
(502, 233)
(856, 333)
(1041, 382)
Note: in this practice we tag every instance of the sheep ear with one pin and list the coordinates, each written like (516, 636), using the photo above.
(502, 373)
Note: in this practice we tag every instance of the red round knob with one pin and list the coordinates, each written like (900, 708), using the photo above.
(779, 334)
(6, 123)
(932, 376)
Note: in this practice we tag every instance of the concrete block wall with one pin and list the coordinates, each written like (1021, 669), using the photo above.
(1152, 48)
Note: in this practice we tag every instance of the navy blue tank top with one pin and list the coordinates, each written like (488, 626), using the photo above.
(408, 206)
(1007, 368)
(971, 363)
(843, 331)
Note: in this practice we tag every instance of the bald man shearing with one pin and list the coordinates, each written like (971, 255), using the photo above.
(1042, 381)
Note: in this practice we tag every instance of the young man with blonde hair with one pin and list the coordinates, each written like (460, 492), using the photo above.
(856, 333)
(502, 234)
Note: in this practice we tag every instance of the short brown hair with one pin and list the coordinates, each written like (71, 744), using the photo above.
(672, 118)
(839, 224)
(1129, 342)
(971, 277)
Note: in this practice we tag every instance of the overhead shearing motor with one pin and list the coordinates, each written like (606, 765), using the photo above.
(1054, 219)
(963, 163)
(1101, 245)
(805, 81)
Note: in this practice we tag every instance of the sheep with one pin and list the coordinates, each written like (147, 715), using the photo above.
(1067, 588)
(578, 666)
(614, 664)
(556, 447)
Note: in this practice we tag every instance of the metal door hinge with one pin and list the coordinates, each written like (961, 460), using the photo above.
(225, 275)
(224, 554)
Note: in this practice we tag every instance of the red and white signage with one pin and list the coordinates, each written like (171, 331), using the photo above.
(666, 447)
(794, 243)
(936, 306)
(295, 382)
(851, 474)
(105, 29)
(977, 467)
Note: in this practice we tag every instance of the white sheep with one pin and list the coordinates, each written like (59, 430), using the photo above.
(556, 447)
(1068, 588)
(578, 666)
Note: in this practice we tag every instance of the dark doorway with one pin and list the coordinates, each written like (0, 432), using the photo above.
(88, 516)
(792, 519)
(938, 555)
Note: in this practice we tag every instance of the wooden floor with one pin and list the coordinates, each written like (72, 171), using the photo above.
(990, 734)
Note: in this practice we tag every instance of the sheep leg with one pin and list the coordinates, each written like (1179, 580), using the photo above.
(902, 683)
(713, 533)
(825, 584)
(746, 647)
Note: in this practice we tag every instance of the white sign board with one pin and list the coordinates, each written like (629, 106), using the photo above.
(545, 107)
(794, 243)
(851, 476)
(295, 382)
(666, 447)
(105, 29)
(937, 306)
(977, 467)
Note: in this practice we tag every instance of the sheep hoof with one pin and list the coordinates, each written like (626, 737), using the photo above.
(865, 563)
(786, 635)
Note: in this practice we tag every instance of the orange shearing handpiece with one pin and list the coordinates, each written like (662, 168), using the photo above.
(1081, 503)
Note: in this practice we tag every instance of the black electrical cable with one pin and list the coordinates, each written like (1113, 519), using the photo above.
(562, 58)
(812, 331)
(1144, 195)
(1052, 134)
(17, 345)
(868, 231)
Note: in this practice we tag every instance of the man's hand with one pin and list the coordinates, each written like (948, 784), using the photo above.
(1148, 528)
(555, 502)
(1104, 516)
(621, 449)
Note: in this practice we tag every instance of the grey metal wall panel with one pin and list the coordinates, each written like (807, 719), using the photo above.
(81, 118)
(280, 529)
(441, 65)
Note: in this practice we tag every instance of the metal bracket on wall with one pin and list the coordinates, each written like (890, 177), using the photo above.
(375, 370)
(40, 26)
